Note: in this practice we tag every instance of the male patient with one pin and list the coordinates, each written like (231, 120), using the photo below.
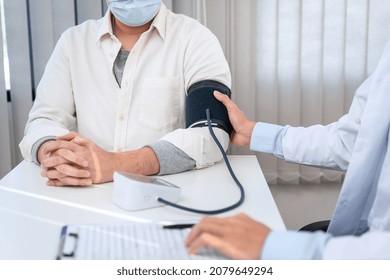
(121, 83)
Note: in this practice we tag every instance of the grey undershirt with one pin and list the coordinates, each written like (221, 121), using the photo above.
(172, 159)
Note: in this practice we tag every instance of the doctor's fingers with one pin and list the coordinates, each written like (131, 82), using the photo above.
(220, 226)
(215, 226)
(227, 102)
(207, 240)
(65, 170)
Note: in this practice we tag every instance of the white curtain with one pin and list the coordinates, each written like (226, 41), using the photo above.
(311, 55)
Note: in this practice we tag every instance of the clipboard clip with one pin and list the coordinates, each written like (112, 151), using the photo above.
(72, 252)
(68, 245)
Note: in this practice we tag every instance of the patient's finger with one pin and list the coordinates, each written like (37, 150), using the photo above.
(62, 156)
(69, 181)
(69, 136)
(67, 170)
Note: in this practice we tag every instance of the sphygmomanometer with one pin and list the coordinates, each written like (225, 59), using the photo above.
(202, 110)
(200, 97)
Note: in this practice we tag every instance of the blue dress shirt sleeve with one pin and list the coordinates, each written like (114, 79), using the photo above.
(267, 138)
(291, 245)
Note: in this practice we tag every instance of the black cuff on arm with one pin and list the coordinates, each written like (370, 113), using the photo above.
(199, 98)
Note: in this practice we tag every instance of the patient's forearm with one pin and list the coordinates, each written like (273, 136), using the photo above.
(143, 161)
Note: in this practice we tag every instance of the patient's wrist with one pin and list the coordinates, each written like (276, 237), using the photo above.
(143, 161)
(39, 155)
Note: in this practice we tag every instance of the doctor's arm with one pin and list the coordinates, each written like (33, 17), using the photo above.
(240, 237)
(327, 146)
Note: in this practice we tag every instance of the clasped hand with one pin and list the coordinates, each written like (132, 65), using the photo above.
(74, 160)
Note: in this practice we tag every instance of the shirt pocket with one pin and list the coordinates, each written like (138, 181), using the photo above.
(159, 108)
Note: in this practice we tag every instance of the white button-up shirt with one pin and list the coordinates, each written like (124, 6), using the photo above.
(78, 90)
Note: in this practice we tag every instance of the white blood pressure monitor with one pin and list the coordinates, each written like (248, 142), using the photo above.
(136, 192)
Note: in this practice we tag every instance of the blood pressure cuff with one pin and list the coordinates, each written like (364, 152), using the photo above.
(199, 98)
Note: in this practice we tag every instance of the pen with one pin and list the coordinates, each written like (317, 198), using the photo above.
(178, 226)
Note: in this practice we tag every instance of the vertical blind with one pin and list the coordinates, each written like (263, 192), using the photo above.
(5, 140)
(311, 56)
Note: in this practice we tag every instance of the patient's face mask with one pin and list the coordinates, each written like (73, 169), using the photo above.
(134, 12)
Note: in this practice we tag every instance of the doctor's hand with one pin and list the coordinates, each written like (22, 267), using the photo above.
(242, 127)
(238, 237)
(77, 160)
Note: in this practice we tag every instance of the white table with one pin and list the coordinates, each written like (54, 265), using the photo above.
(32, 214)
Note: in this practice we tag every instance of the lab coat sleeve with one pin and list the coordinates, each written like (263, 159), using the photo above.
(204, 60)
(370, 245)
(327, 146)
(319, 245)
(53, 112)
(267, 138)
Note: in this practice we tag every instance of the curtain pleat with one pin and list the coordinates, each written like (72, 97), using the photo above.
(17, 29)
(311, 57)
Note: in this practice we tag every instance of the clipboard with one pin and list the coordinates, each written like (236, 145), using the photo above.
(129, 241)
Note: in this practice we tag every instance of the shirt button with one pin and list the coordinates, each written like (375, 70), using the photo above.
(357, 121)
(121, 118)
(112, 54)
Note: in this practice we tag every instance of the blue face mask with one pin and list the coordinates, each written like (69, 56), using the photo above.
(134, 12)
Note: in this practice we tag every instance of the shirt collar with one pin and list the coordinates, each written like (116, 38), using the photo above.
(159, 23)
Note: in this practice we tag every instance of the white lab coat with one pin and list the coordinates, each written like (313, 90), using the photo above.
(358, 142)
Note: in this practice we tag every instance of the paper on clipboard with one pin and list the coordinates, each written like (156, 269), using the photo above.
(131, 241)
